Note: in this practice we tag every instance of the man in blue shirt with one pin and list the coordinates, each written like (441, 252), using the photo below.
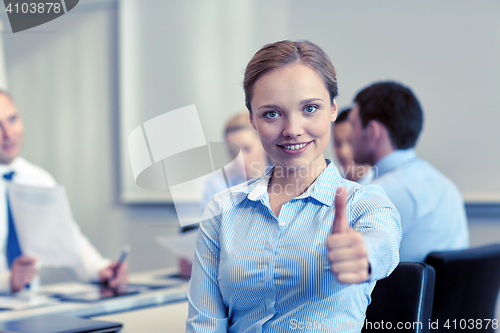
(387, 120)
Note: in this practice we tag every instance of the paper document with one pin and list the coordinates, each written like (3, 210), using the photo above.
(22, 302)
(67, 288)
(182, 245)
(44, 224)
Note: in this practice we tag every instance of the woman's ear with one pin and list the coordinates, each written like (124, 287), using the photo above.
(335, 110)
(252, 121)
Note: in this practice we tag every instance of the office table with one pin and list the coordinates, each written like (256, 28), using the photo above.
(177, 292)
(169, 318)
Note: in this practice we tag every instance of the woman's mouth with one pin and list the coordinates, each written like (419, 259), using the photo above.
(294, 148)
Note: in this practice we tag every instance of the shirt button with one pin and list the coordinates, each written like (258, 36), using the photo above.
(282, 224)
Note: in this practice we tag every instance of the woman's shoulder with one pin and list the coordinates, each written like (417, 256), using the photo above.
(364, 199)
(358, 191)
(231, 197)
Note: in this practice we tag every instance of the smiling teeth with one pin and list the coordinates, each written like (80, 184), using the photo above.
(295, 147)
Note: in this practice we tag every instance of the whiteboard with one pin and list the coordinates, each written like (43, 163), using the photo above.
(173, 54)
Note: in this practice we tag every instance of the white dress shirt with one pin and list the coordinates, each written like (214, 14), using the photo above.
(26, 173)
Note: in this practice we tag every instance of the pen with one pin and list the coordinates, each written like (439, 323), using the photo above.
(121, 259)
(124, 254)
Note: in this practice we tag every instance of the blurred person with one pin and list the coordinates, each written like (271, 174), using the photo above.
(16, 269)
(238, 131)
(342, 128)
(387, 120)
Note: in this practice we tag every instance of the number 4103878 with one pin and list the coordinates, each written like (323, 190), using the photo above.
(472, 324)
(33, 8)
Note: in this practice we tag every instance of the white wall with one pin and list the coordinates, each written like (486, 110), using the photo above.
(178, 53)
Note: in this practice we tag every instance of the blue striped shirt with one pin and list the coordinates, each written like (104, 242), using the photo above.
(256, 272)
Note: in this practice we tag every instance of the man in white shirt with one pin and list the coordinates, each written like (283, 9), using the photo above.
(18, 270)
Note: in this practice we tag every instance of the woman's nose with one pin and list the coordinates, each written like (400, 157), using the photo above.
(293, 127)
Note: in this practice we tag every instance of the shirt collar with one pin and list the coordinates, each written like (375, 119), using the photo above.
(394, 160)
(258, 189)
(320, 189)
(5, 168)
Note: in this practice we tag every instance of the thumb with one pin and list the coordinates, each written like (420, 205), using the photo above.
(340, 221)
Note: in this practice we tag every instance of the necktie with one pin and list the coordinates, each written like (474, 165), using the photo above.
(13, 249)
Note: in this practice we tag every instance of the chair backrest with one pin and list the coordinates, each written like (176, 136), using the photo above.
(467, 284)
(402, 301)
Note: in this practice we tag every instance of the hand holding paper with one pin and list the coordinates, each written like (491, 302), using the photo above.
(44, 224)
(347, 252)
(22, 271)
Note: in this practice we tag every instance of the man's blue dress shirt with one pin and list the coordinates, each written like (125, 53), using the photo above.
(257, 272)
(431, 206)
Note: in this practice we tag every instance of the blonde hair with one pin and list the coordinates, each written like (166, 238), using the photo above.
(238, 122)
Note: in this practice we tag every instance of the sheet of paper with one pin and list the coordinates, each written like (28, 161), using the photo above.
(67, 288)
(181, 245)
(22, 303)
(44, 224)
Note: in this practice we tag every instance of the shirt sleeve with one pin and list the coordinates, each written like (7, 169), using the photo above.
(91, 261)
(374, 216)
(207, 311)
(5, 281)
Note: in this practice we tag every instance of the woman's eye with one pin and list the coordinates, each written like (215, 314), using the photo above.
(271, 114)
(310, 108)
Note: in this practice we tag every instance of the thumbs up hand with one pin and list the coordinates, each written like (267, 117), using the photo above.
(347, 252)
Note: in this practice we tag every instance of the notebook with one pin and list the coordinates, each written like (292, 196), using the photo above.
(58, 324)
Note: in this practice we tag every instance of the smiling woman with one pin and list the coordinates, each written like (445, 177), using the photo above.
(292, 113)
(300, 244)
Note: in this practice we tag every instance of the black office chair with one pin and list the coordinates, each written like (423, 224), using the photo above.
(467, 284)
(403, 300)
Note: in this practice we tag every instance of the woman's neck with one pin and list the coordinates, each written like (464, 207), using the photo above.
(290, 183)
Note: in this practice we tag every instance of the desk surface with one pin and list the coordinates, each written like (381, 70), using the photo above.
(159, 319)
(177, 292)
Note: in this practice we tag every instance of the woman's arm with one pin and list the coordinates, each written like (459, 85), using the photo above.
(207, 312)
(368, 247)
(375, 217)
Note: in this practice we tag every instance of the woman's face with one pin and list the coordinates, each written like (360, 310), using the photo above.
(253, 154)
(292, 113)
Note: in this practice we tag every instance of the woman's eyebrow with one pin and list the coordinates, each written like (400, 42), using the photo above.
(273, 106)
(268, 106)
(310, 100)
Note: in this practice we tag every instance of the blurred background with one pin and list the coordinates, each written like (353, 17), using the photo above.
(84, 81)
